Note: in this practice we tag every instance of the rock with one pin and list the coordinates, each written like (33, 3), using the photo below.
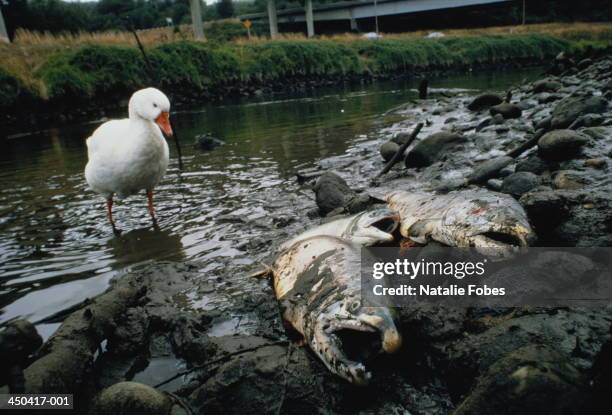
(332, 192)
(546, 85)
(519, 183)
(561, 144)
(544, 123)
(569, 180)
(534, 164)
(569, 109)
(358, 203)
(544, 208)
(388, 150)
(587, 120)
(18, 341)
(484, 101)
(432, 148)
(598, 133)
(489, 169)
(498, 119)
(507, 110)
(519, 382)
(494, 184)
(334, 195)
(131, 398)
(596, 163)
(207, 142)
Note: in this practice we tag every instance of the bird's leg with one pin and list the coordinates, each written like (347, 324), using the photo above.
(151, 207)
(109, 213)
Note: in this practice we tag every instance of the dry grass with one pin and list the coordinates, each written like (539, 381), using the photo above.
(31, 49)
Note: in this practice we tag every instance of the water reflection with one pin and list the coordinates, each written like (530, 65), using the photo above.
(144, 244)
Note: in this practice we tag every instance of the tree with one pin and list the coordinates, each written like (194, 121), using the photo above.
(225, 8)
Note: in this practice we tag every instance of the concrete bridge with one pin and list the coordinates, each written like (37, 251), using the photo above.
(353, 10)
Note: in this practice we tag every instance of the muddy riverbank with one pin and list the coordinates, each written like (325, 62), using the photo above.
(214, 338)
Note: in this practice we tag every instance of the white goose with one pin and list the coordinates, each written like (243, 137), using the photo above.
(131, 154)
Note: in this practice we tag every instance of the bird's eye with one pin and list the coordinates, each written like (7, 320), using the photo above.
(154, 105)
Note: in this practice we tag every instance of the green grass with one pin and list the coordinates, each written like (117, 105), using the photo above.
(108, 72)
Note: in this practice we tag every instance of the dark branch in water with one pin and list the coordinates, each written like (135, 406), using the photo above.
(400, 151)
(527, 144)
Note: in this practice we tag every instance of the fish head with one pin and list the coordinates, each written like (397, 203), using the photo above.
(373, 227)
(348, 335)
(495, 226)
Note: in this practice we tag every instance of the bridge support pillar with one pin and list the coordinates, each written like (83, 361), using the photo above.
(309, 18)
(272, 18)
(354, 26)
(196, 19)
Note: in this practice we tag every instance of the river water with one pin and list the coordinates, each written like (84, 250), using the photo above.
(56, 248)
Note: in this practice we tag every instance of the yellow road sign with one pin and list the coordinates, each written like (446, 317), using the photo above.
(247, 24)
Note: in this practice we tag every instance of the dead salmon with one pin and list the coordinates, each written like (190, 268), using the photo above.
(467, 218)
(317, 283)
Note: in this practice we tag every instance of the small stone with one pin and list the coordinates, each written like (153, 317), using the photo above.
(494, 184)
(388, 150)
(595, 163)
(520, 183)
(561, 144)
(534, 164)
(128, 398)
(498, 119)
(507, 110)
(207, 142)
(432, 148)
(546, 85)
(484, 101)
(543, 123)
(568, 180)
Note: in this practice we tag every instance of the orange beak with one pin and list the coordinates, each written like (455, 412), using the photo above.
(164, 123)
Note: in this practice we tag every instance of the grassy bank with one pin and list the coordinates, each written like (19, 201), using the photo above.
(54, 70)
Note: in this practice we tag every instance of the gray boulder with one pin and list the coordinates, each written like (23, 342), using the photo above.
(131, 398)
(332, 192)
(484, 101)
(520, 183)
(432, 148)
(569, 109)
(388, 150)
(534, 164)
(506, 110)
(561, 144)
(546, 85)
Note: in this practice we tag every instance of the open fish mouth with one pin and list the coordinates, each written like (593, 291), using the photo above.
(352, 344)
(380, 225)
(501, 239)
(388, 224)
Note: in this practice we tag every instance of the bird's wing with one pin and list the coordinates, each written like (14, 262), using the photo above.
(108, 136)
